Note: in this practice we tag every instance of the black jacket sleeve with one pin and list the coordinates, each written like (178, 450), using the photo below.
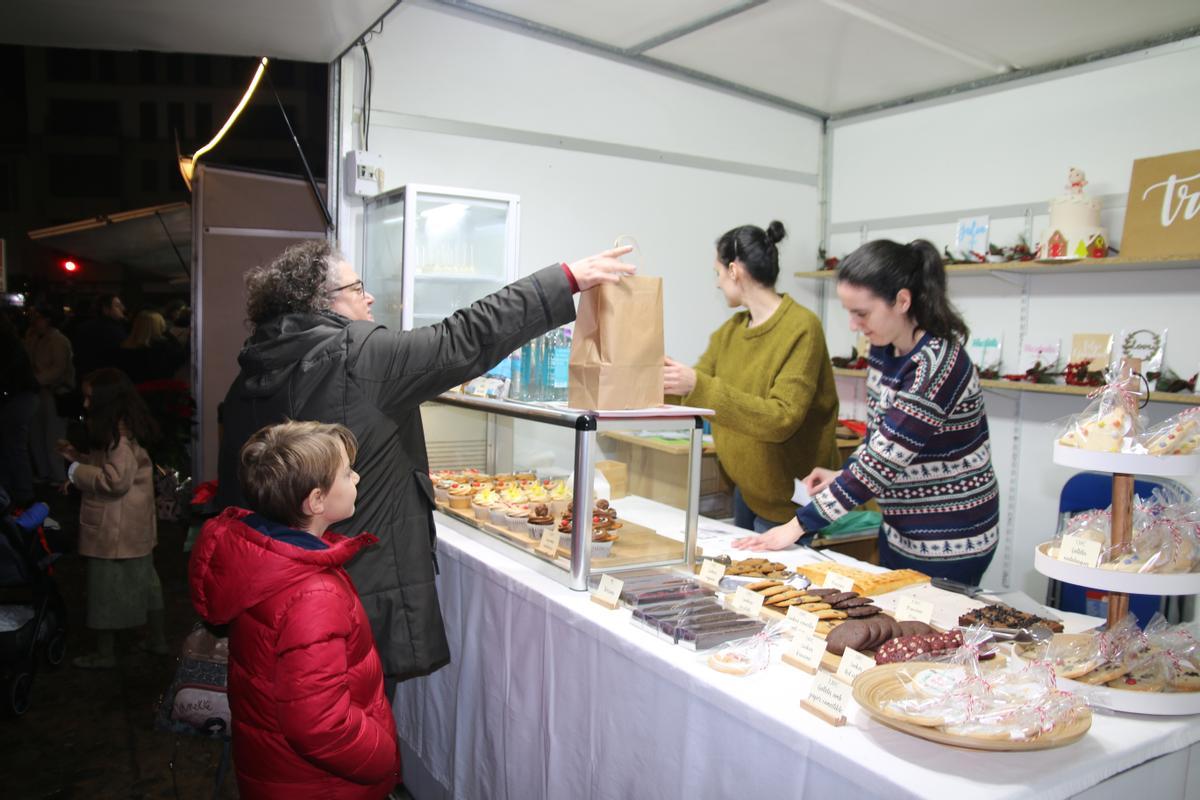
(405, 368)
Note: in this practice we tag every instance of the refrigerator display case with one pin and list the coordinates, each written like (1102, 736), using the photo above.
(616, 520)
(431, 250)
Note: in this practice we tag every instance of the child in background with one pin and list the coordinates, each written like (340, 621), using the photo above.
(305, 682)
(118, 527)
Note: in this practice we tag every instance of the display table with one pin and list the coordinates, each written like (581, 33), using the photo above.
(552, 696)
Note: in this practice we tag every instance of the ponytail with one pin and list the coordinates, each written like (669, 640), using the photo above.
(885, 267)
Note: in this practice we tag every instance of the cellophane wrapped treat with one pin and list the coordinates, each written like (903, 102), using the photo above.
(1091, 525)
(1178, 435)
(1166, 535)
(1110, 420)
(1016, 702)
(751, 654)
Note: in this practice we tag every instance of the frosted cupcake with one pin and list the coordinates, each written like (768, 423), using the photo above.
(482, 503)
(513, 495)
(460, 496)
(536, 494)
(560, 499)
(517, 518)
(498, 514)
(441, 490)
(540, 521)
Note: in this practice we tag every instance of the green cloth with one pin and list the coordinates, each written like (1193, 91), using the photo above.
(776, 404)
(120, 592)
(852, 522)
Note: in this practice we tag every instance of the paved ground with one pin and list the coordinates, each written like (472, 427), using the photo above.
(90, 734)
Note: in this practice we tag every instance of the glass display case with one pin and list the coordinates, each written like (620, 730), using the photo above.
(519, 473)
(430, 250)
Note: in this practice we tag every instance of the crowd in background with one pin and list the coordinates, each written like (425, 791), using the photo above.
(46, 351)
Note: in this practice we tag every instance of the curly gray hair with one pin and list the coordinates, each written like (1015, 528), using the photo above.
(297, 281)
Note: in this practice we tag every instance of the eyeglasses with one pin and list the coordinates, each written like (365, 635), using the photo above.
(357, 287)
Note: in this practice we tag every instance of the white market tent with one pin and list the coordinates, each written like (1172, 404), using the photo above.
(675, 120)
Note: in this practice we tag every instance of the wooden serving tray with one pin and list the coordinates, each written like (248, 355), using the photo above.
(636, 544)
(877, 686)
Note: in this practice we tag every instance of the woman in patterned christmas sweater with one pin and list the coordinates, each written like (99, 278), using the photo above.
(926, 457)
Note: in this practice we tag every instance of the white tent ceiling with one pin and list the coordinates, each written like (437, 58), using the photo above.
(825, 56)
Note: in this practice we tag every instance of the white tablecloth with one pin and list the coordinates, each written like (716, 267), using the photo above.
(552, 696)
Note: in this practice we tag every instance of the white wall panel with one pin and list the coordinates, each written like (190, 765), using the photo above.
(1013, 147)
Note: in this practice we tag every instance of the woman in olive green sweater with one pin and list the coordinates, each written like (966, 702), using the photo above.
(767, 375)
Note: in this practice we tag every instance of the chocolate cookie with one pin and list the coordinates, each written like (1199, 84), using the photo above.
(822, 592)
(912, 627)
(852, 602)
(894, 628)
(851, 633)
(862, 611)
(840, 597)
(879, 630)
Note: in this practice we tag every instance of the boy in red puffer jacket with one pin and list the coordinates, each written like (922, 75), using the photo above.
(305, 683)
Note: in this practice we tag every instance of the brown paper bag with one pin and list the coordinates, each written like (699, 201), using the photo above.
(617, 348)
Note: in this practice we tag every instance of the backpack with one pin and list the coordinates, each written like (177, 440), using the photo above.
(197, 701)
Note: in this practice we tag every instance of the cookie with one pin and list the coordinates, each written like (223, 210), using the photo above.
(878, 629)
(1185, 680)
(894, 629)
(1144, 679)
(791, 601)
(840, 597)
(760, 585)
(830, 613)
(852, 603)
(782, 596)
(1108, 671)
(822, 592)
(912, 627)
(815, 606)
(852, 633)
(861, 611)
(771, 591)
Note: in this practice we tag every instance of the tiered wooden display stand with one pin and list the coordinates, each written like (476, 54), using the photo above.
(1120, 585)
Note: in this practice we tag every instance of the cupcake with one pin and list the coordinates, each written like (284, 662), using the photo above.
(602, 544)
(460, 496)
(498, 514)
(537, 494)
(513, 495)
(540, 521)
(566, 527)
(441, 490)
(517, 518)
(560, 498)
(482, 503)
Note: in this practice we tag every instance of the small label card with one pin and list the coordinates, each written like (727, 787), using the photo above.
(913, 608)
(805, 653)
(1079, 550)
(843, 583)
(711, 573)
(608, 593)
(548, 544)
(804, 622)
(827, 698)
(746, 602)
(853, 664)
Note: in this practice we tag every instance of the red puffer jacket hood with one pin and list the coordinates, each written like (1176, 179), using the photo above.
(305, 680)
(236, 571)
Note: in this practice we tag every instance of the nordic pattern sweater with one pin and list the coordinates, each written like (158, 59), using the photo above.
(926, 456)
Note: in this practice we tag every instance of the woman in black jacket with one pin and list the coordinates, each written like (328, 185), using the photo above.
(18, 403)
(316, 354)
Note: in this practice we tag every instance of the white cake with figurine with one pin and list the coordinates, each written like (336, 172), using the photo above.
(1075, 230)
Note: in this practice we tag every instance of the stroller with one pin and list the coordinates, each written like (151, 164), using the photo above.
(32, 614)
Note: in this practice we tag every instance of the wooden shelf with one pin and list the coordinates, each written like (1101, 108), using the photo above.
(1046, 267)
(1182, 398)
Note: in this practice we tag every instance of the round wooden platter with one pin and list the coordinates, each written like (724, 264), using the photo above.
(876, 687)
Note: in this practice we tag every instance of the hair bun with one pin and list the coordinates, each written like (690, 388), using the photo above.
(775, 231)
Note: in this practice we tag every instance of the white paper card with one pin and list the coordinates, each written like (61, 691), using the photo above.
(971, 235)
(829, 694)
(548, 544)
(843, 583)
(711, 572)
(853, 664)
(984, 351)
(1079, 550)
(609, 589)
(913, 608)
(808, 650)
(1034, 353)
(746, 602)
(805, 622)
(800, 496)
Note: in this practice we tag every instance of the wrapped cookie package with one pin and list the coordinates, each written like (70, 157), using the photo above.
(751, 654)
(1179, 435)
(1111, 421)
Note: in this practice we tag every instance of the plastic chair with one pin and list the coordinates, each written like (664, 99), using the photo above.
(1089, 491)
